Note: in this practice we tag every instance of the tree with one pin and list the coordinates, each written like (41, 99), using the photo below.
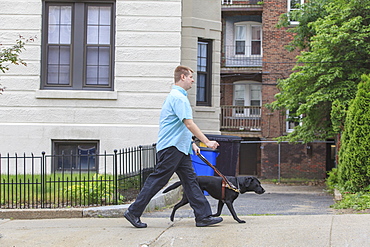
(335, 48)
(11, 54)
(354, 158)
(307, 13)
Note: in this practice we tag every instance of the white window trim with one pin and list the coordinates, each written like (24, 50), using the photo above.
(287, 127)
(247, 97)
(248, 41)
(293, 23)
(76, 94)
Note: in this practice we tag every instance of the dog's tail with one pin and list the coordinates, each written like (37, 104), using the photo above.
(172, 186)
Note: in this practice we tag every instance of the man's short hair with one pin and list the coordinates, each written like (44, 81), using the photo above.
(181, 70)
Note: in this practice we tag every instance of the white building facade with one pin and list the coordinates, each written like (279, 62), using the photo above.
(98, 71)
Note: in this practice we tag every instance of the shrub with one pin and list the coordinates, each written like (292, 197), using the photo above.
(357, 201)
(354, 158)
(332, 180)
(96, 191)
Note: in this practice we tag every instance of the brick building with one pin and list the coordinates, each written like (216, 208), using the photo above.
(253, 60)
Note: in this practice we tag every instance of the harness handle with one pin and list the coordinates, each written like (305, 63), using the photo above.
(228, 184)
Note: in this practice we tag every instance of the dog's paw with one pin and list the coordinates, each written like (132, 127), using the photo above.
(241, 221)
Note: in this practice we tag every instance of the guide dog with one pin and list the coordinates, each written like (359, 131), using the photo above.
(213, 185)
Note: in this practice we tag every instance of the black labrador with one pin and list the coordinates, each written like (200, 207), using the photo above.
(213, 185)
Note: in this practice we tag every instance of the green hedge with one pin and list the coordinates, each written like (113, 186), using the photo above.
(354, 154)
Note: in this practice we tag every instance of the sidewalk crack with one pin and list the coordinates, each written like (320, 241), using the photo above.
(331, 230)
(147, 244)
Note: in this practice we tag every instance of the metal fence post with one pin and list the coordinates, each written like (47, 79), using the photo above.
(140, 166)
(43, 177)
(115, 178)
(279, 162)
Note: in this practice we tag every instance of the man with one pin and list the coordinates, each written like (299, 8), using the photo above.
(174, 146)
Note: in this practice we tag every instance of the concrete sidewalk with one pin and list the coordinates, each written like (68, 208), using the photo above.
(303, 230)
(92, 227)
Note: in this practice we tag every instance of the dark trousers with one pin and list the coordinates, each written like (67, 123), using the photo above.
(171, 160)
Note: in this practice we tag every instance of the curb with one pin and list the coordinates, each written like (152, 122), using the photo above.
(159, 201)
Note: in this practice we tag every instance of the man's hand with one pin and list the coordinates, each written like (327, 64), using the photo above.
(189, 123)
(196, 148)
(212, 144)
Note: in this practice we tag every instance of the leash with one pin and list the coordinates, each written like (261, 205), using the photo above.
(225, 181)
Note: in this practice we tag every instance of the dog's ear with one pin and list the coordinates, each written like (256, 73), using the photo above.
(248, 181)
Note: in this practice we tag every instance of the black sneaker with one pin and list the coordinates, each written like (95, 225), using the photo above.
(135, 221)
(210, 220)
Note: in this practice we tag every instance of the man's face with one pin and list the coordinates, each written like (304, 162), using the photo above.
(187, 81)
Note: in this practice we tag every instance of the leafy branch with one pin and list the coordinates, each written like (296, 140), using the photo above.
(11, 55)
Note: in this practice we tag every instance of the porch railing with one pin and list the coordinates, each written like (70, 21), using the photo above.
(241, 118)
(233, 58)
(42, 181)
(239, 2)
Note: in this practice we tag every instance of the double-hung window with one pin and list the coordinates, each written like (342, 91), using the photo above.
(248, 39)
(78, 45)
(247, 99)
(294, 5)
(204, 73)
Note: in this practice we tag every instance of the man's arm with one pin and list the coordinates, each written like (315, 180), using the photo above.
(189, 123)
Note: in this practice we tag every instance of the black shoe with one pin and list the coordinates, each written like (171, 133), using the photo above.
(135, 221)
(210, 220)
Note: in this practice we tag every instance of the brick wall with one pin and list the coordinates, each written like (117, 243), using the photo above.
(277, 64)
(227, 91)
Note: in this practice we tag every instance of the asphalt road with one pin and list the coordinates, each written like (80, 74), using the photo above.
(277, 200)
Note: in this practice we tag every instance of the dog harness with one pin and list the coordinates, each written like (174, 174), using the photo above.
(225, 185)
(225, 182)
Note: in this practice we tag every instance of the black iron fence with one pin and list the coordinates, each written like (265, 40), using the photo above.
(75, 179)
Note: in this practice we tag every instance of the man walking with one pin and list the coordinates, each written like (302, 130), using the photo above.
(174, 146)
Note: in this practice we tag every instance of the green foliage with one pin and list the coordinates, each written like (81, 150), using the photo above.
(332, 180)
(126, 183)
(354, 158)
(10, 55)
(72, 189)
(338, 115)
(357, 201)
(95, 191)
(337, 49)
(307, 13)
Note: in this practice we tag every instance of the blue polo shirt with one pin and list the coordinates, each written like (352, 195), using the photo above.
(172, 130)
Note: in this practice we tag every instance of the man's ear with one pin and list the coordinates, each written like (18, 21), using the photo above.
(182, 77)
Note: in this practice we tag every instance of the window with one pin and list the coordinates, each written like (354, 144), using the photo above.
(76, 155)
(247, 95)
(292, 121)
(248, 39)
(227, 2)
(78, 45)
(204, 73)
(292, 6)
